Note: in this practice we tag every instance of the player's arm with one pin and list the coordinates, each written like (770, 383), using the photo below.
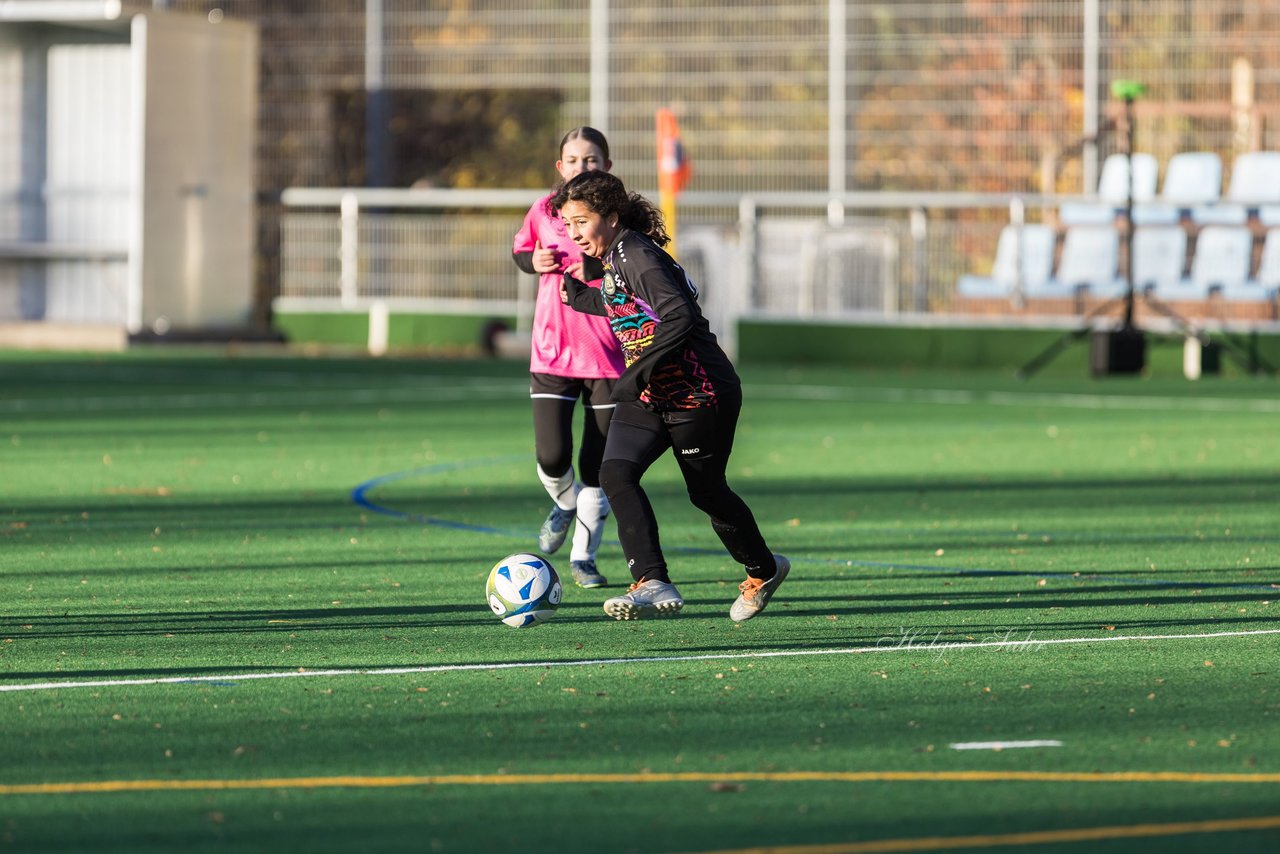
(580, 296)
(538, 259)
(592, 268)
(676, 319)
(524, 260)
(527, 251)
(525, 242)
(589, 269)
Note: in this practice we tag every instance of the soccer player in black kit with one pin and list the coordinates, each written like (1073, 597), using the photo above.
(679, 391)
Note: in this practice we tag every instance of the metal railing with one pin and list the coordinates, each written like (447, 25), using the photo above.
(777, 255)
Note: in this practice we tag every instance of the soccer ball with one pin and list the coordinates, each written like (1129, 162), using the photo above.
(523, 590)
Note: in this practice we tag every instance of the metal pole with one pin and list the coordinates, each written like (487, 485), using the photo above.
(349, 251)
(33, 211)
(377, 110)
(1129, 134)
(919, 241)
(600, 65)
(1018, 219)
(1089, 154)
(837, 105)
(744, 298)
(373, 27)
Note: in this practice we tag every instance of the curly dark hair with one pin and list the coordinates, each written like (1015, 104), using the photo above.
(605, 194)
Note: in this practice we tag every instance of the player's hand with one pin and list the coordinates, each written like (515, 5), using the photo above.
(575, 270)
(545, 260)
(568, 281)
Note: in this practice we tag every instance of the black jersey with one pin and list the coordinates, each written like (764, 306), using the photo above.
(673, 359)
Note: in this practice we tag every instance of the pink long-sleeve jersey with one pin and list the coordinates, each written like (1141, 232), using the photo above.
(565, 342)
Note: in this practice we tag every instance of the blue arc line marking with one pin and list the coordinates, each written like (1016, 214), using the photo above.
(360, 496)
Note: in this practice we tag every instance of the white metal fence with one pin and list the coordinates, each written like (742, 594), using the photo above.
(837, 98)
(798, 95)
(806, 95)
(778, 255)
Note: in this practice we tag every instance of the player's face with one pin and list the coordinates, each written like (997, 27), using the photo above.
(592, 232)
(578, 156)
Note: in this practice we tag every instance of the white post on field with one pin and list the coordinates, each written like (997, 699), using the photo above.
(600, 65)
(379, 327)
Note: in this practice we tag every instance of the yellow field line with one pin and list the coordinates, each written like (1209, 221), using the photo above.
(1039, 837)
(361, 782)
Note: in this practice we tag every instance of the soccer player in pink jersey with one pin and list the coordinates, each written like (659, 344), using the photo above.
(575, 356)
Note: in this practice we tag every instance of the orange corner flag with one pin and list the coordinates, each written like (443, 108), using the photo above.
(674, 171)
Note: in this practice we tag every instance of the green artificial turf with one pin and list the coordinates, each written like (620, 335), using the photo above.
(221, 571)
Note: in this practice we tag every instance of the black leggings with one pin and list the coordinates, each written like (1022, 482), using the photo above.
(702, 440)
(553, 438)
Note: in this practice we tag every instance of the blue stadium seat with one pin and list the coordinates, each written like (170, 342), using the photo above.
(1255, 182)
(1223, 256)
(1090, 259)
(1193, 178)
(1113, 190)
(1269, 266)
(1159, 254)
(1034, 244)
(1269, 215)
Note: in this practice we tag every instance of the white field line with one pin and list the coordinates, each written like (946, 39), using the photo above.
(961, 397)
(274, 399)
(893, 645)
(308, 390)
(292, 379)
(1004, 745)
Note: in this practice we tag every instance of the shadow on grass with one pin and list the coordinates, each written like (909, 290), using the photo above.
(477, 561)
(248, 623)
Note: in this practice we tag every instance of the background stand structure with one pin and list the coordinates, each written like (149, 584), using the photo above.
(1123, 350)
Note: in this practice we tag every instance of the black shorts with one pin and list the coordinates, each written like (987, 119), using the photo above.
(595, 393)
(701, 438)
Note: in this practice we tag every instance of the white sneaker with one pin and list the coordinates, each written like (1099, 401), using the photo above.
(585, 574)
(652, 598)
(756, 592)
(554, 530)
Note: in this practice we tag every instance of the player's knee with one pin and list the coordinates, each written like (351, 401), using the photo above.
(589, 465)
(710, 498)
(589, 475)
(704, 501)
(554, 460)
(618, 475)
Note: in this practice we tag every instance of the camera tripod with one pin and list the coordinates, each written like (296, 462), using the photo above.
(1123, 350)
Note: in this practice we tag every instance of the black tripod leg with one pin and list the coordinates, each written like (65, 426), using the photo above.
(1178, 320)
(1048, 354)
(1244, 357)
